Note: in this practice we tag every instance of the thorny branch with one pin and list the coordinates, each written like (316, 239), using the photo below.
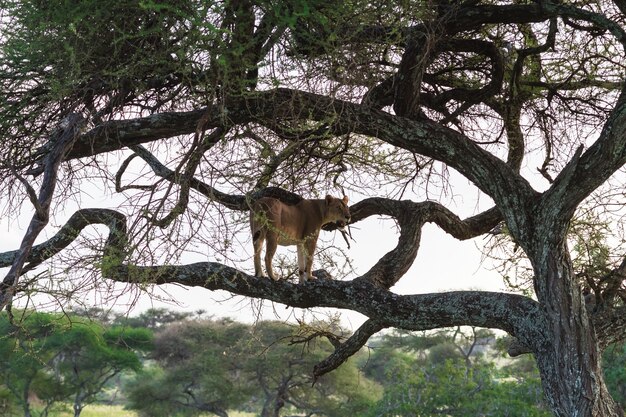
(348, 348)
(61, 142)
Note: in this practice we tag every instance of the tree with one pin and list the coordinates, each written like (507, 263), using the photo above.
(437, 375)
(90, 356)
(152, 318)
(200, 364)
(615, 371)
(60, 358)
(25, 362)
(281, 362)
(236, 99)
(214, 366)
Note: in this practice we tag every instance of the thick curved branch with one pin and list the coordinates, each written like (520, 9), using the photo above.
(418, 53)
(411, 217)
(116, 243)
(462, 229)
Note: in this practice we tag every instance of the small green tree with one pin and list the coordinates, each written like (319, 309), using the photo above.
(153, 318)
(90, 356)
(26, 354)
(58, 358)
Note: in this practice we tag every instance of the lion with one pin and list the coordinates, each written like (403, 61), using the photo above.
(277, 223)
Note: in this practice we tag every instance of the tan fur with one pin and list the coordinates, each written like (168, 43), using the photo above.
(280, 224)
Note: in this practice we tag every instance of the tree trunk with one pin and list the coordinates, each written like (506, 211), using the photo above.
(26, 406)
(267, 407)
(569, 358)
(78, 403)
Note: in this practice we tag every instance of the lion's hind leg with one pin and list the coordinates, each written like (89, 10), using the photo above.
(270, 250)
(257, 241)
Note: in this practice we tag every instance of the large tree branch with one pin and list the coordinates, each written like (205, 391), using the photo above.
(593, 167)
(515, 314)
(411, 217)
(114, 220)
(489, 173)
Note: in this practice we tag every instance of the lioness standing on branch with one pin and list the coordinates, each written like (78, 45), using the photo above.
(299, 224)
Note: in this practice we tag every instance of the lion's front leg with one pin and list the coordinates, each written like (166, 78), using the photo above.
(308, 249)
(302, 263)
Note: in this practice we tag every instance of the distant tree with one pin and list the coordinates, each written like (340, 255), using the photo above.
(152, 318)
(200, 370)
(60, 358)
(282, 368)
(213, 366)
(90, 356)
(443, 377)
(25, 366)
(615, 372)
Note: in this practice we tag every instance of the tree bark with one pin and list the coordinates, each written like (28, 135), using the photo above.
(569, 359)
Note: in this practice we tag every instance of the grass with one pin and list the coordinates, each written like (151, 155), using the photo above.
(95, 410)
(99, 410)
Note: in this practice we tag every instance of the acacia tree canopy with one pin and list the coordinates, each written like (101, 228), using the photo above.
(213, 104)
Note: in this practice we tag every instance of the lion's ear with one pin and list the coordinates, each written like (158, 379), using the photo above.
(345, 199)
(329, 198)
